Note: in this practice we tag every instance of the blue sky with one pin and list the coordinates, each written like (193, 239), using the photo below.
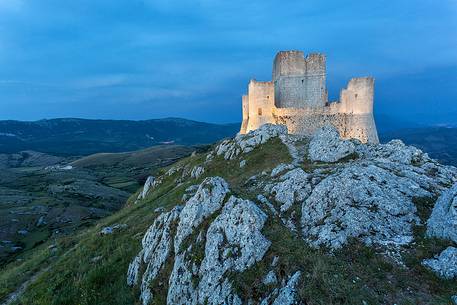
(132, 59)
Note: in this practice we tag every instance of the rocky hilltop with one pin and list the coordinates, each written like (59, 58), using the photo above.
(272, 218)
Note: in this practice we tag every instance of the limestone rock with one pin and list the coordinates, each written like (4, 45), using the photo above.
(443, 221)
(270, 278)
(394, 151)
(245, 143)
(150, 183)
(362, 201)
(286, 295)
(234, 242)
(293, 186)
(157, 244)
(326, 145)
(208, 198)
(281, 168)
(445, 265)
(113, 228)
(134, 269)
(181, 289)
(197, 172)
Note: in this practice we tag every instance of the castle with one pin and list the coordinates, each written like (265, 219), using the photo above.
(297, 97)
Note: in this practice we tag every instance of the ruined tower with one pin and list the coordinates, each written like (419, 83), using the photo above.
(299, 82)
(297, 97)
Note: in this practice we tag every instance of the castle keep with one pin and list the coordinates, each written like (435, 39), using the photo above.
(297, 97)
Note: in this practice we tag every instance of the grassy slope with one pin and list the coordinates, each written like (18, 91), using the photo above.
(350, 276)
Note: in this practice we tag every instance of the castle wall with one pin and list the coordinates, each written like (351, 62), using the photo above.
(357, 98)
(245, 113)
(299, 81)
(261, 103)
(307, 121)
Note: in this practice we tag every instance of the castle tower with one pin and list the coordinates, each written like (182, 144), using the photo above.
(299, 82)
(260, 104)
(245, 112)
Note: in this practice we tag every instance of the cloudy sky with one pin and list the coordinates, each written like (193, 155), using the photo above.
(141, 59)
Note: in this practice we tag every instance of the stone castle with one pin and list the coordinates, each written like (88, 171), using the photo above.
(297, 97)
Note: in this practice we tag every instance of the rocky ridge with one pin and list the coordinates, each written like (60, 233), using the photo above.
(332, 193)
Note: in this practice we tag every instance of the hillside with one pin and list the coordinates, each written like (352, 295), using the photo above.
(266, 218)
(85, 137)
(43, 197)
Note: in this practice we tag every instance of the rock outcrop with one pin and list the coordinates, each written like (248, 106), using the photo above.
(443, 221)
(157, 245)
(245, 143)
(208, 199)
(233, 243)
(150, 184)
(327, 146)
(344, 191)
(361, 201)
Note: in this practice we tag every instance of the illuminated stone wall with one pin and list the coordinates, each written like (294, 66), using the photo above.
(245, 111)
(299, 81)
(260, 104)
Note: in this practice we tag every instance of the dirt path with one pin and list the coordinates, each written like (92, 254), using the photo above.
(12, 297)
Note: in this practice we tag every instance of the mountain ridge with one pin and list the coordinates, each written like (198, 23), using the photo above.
(73, 136)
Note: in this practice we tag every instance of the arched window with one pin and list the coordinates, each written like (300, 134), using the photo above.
(259, 111)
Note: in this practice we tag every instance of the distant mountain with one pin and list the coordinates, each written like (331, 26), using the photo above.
(386, 123)
(84, 137)
(439, 142)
